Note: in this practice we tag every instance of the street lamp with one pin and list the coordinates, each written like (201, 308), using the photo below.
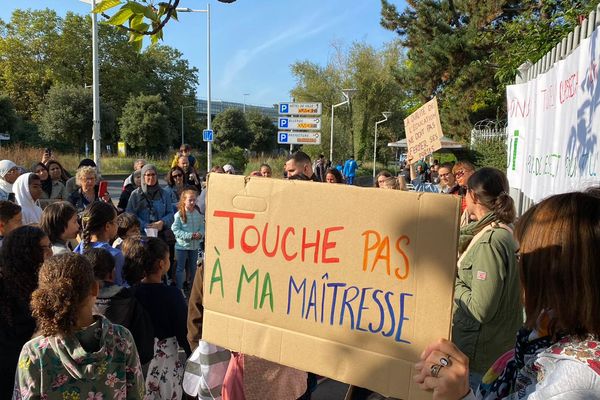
(348, 93)
(208, 116)
(386, 115)
(182, 107)
(95, 87)
(245, 94)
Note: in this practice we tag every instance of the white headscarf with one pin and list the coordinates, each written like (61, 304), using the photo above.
(5, 166)
(30, 211)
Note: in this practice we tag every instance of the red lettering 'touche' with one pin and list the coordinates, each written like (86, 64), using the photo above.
(232, 215)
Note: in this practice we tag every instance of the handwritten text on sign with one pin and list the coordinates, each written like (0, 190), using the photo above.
(318, 300)
(423, 131)
(312, 289)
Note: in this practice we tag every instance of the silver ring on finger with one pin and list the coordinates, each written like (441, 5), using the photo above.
(445, 361)
(435, 370)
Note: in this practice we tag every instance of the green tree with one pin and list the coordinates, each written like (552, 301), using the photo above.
(66, 117)
(264, 132)
(144, 123)
(231, 130)
(8, 116)
(372, 73)
(26, 45)
(465, 52)
(40, 50)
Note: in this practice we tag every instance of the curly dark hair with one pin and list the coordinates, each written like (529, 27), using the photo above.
(141, 257)
(126, 222)
(64, 284)
(338, 175)
(20, 260)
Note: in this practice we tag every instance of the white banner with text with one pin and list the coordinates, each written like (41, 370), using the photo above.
(554, 126)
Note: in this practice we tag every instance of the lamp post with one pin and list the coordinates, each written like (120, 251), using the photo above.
(245, 94)
(208, 115)
(348, 93)
(182, 107)
(386, 115)
(95, 87)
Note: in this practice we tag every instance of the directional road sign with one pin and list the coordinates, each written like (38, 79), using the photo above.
(300, 108)
(207, 135)
(292, 137)
(299, 123)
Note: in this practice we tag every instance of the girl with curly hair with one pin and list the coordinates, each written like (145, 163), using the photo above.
(23, 252)
(77, 352)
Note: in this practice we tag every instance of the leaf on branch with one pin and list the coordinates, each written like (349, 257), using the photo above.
(120, 16)
(105, 5)
(140, 27)
(137, 8)
(135, 37)
(137, 44)
(162, 9)
(150, 13)
(136, 20)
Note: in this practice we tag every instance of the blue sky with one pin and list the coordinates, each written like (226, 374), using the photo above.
(254, 42)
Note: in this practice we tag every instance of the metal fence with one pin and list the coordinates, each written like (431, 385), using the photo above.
(488, 130)
(528, 71)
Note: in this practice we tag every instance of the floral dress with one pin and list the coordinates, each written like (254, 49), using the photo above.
(99, 362)
(165, 372)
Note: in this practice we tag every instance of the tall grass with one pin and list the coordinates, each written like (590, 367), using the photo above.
(27, 156)
(276, 163)
(112, 165)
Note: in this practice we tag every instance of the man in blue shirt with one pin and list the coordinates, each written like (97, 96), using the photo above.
(350, 167)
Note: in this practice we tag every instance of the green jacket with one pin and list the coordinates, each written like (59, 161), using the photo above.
(487, 306)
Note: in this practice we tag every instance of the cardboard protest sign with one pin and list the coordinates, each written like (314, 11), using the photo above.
(346, 282)
(423, 131)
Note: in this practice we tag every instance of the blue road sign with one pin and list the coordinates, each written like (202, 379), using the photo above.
(283, 123)
(207, 135)
(283, 108)
(283, 137)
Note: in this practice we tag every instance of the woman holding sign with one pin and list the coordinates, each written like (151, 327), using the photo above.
(487, 311)
(557, 352)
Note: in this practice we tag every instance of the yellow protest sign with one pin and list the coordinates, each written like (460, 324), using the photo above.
(423, 131)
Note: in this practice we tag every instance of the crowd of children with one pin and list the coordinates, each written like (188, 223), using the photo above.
(99, 320)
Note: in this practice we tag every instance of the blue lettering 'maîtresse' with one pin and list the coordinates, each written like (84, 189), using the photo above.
(348, 305)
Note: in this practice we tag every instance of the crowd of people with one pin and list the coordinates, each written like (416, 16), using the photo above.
(93, 295)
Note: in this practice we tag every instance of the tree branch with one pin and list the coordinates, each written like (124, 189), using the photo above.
(172, 7)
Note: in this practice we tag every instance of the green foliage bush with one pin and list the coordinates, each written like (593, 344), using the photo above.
(144, 124)
(235, 156)
(491, 153)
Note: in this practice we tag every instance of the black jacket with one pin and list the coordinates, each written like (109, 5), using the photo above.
(120, 306)
(12, 339)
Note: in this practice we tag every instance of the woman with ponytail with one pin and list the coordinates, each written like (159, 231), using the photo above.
(98, 230)
(77, 354)
(487, 309)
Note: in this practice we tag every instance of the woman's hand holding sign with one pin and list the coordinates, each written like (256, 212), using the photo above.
(445, 370)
